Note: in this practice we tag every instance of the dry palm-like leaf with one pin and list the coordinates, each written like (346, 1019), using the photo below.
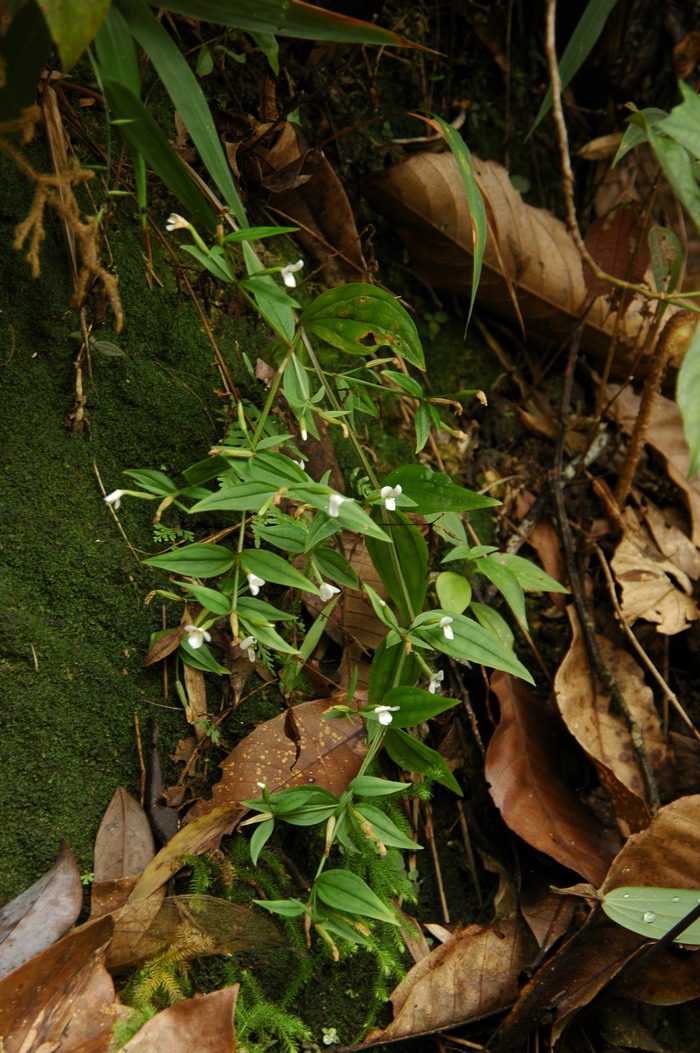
(325, 752)
(527, 787)
(41, 914)
(587, 711)
(203, 1023)
(528, 249)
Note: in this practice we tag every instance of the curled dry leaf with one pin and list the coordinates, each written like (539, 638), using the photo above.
(41, 914)
(528, 789)
(588, 714)
(62, 999)
(527, 248)
(327, 753)
(203, 1023)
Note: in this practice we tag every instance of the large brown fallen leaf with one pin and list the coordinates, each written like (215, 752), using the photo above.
(666, 854)
(63, 999)
(588, 714)
(473, 974)
(123, 849)
(41, 914)
(425, 199)
(328, 753)
(204, 1024)
(529, 791)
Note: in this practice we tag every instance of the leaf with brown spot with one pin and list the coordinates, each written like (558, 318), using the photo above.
(528, 789)
(63, 998)
(203, 1023)
(329, 754)
(588, 714)
(41, 914)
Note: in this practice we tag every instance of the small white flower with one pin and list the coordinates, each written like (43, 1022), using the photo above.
(435, 681)
(288, 273)
(248, 648)
(261, 785)
(388, 495)
(384, 713)
(255, 583)
(115, 498)
(196, 636)
(299, 462)
(334, 503)
(328, 591)
(175, 222)
(446, 626)
(304, 434)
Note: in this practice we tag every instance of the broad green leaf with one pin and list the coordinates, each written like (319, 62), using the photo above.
(350, 515)
(678, 168)
(666, 257)
(246, 497)
(279, 317)
(24, 51)
(409, 384)
(261, 835)
(195, 561)
(284, 533)
(370, 786)
(636, 132)
(256, 611)
(330, 564)
(688, 399)
(391, 666)
(414, 755)
(116, 52)
(271, 467)
(682, 124)
(216, 266)
(415, 705)
(493, 622)
(201, 658)
(286, 18)
(652, 912)
(453, 591)
(267, 42)
(411, 552)
(271, 567)
(288, 908)
(73, 25)
(384, 829)
(362, 319)
(267, 636)
(206, 470)
(263, 287)
(211, 599)
(422, 422)
(581, 44)
(434, 492)
(530, 576)
(153, 481)
(471, 642)
(505, 581)
(341, 890)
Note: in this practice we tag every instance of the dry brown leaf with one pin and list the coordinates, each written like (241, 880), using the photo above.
(62, 999)
(329, 754)
(528, 790)
(653, 587)
(670, 540)
(666, 979)
(666, 437)
(425, 199)
(163, 646)
(666, 854)
(41, 914)
(124, 842)
(203, 1023)
(590, 717)
(547, 914)
(473, 974)
(196, 709)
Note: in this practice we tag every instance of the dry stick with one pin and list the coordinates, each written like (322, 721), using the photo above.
(604, 674)
(430, 837)
(669, 695)
(114, 514)
(471, 862)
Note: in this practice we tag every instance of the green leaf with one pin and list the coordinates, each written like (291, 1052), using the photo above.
(206, 470)
(255, 610)
(261, 835)
(205, 62)
(267, 43)
(682, 122)
(652, 912)
(530, 576)
(386, 830)
(73, 25)
(370, 786)
(362, 319)
(453, 591)
(636, 132)
(688, 399)
(471, 642)
(245, 497)
(411, 553)
(116, 53)
(288, 908)
(24, 51)
(390, 666)
(195, 561)
(493, 622)
(330, 564)
(267, 636)
(422, 423)
(257, 233)
(201, 658)
(214, 264)
(350, 515)
(286, 18)
(414, 755)
(505, 581)
(211, 599)
(415, 705)
(581, 44)
(434, 492)
(271, 567)
(666, 258)
(346, 892)
(678, 168)
(152, 481)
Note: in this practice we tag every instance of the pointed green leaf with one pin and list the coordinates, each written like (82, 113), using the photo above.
(652, 912)
(414, 755)
(341, 890)
(271, 567)
(195, 561)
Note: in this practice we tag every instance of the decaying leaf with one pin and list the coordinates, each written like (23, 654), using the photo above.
(123, 849)
(547, 914)
(41, 914)
(666, 854)
(527, 786)
(587, 711)
(203, 1023)
(667, 978)
(62, 999)
(424, 198)
(328, 753)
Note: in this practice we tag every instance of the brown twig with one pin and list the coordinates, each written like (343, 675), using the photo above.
(430, 838)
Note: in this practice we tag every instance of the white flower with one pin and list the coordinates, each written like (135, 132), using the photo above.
(304, 434)
(299, 462)
(175, 222)
(446, 626)
(334, 503)
(384, 713)
(115, 498)
(248, 648)
(255, 583)
(328, 591)
(196, 636)
(389, 494)
(435, 681)
(289, 271)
